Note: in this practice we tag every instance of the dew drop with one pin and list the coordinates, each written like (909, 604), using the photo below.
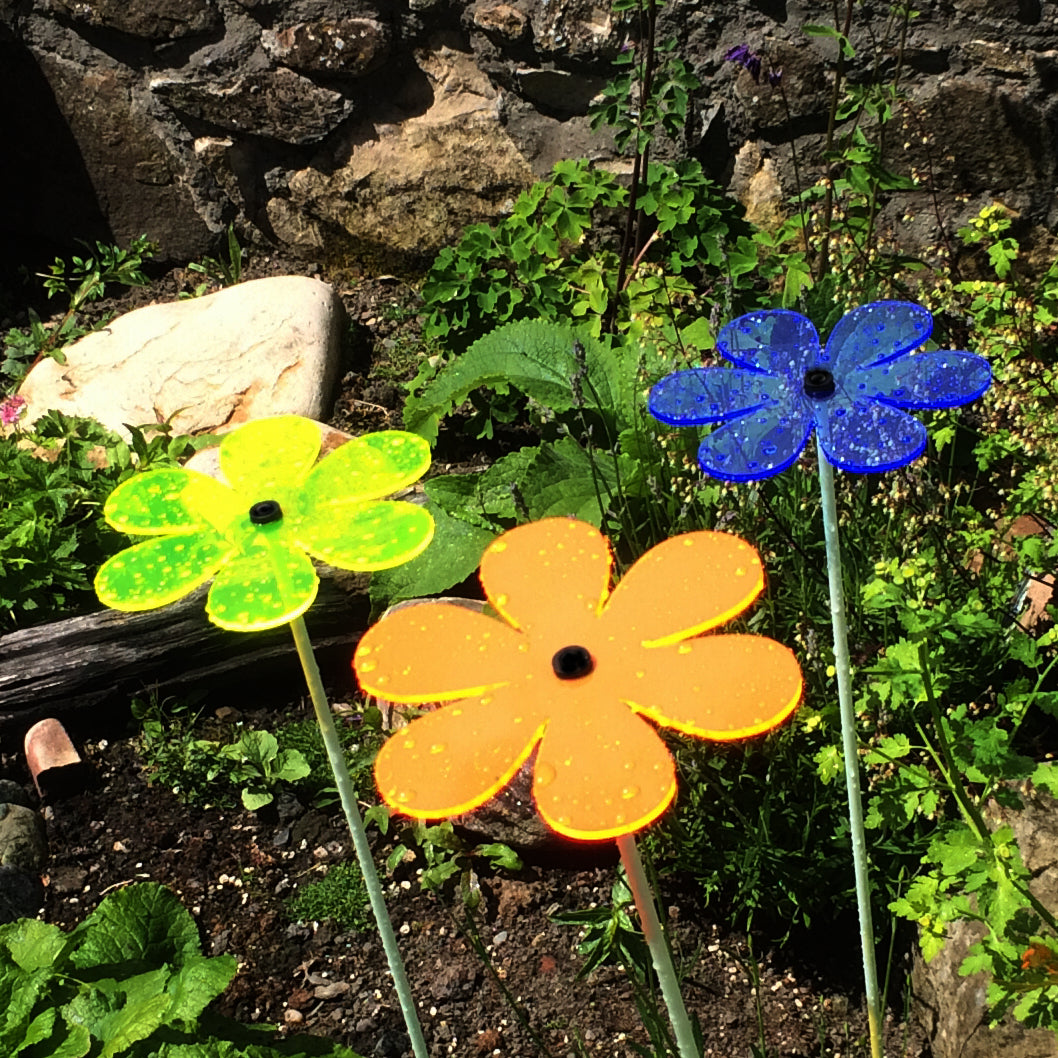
(437, 747)
(684, 648)
(629, 792)
(404, 796)
(545, 774)
(409, 743)
(501, 600)
(498, 546)
(740, 571)
(640, 674)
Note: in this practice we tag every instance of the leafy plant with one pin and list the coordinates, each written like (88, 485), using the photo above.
(222, 271)
(256, 763)
(600, 457)
(340, 895)
(551, 259)
(130, 980)
(83, 280)
(54, 479)
(443, 853)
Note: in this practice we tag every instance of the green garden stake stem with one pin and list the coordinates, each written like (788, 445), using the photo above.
(659, 948)
(850, 749)
(347, 794)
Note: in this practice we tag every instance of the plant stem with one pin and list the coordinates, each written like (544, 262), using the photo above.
(849, 747)
(347, 794)
(659, 949)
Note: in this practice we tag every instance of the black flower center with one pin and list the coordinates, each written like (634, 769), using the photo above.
(265, 511)
(571, 663)
(819, 383)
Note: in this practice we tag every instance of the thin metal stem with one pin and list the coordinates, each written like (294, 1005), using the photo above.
(850, 748)
(347, 794)
(659, 949)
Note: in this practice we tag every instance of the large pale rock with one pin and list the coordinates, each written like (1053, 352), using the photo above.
(262, 348)
(952, 1008)
(406, 186)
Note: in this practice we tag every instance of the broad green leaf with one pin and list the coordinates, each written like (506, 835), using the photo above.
(33, 945)
(453, 555)
(200, 980)
(143, 923)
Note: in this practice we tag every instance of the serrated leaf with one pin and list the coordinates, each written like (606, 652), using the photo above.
(200, 980)
(453, 555)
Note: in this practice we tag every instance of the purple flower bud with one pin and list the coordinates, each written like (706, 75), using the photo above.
(775, 77)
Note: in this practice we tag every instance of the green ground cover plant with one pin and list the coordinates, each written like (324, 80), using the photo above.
(130, 980)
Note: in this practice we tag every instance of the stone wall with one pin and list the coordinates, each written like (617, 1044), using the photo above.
(372, 131)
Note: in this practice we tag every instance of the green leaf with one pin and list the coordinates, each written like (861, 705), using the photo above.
(453, 555)
(252, 800)
(32, 945)
(140, 924)
(199, 981)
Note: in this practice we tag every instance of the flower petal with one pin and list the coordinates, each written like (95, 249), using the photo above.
(712, 394)
(435, 651)
(756, 445)
(681, 587)
(601, 771)
(550, 576)
(876, 333)
(268, 585)
(938, 379)
(365, 535)
(719, 687)
(454, 759)
(867, 435)
(158, 501)
(368, 467)
(779, 342)
(157, 572)
(269, 454)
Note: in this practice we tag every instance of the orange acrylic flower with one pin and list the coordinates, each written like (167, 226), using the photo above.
(574, 671)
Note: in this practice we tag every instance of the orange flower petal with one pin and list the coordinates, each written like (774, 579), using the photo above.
(454, 759)
(601, 771)
(720, 687)
(548, 574)
(436, 651)
(684, 586)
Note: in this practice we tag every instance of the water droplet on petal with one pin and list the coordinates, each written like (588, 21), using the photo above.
(545, 774)
(368, 666)
(740, 571)
(409, 743)
(498, 546)
(684, 648)
(437, 747)
(501, 600)
(629, 792)
(404, 796)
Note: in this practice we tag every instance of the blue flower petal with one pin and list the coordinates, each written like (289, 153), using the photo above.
(779, 342)
(866, 435)
(712, 394)
(937, 379)
(876, 333)
(756, 445)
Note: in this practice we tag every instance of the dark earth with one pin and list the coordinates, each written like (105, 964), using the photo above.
(519, 994)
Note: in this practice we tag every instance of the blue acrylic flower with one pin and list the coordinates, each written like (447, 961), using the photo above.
(785, 384)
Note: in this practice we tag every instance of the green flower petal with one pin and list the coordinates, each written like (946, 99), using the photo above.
(366, 536)
(160, 571)
(269, 454)
(268, 585)
(368, 467)
(152, 502)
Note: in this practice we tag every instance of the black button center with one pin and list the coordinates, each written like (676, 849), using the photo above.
(819, 383)
(571, 663)
(265, 511)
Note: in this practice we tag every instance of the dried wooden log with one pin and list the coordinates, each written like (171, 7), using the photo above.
(101, 660)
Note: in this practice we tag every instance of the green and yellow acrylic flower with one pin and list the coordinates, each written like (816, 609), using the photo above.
(256, 536)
